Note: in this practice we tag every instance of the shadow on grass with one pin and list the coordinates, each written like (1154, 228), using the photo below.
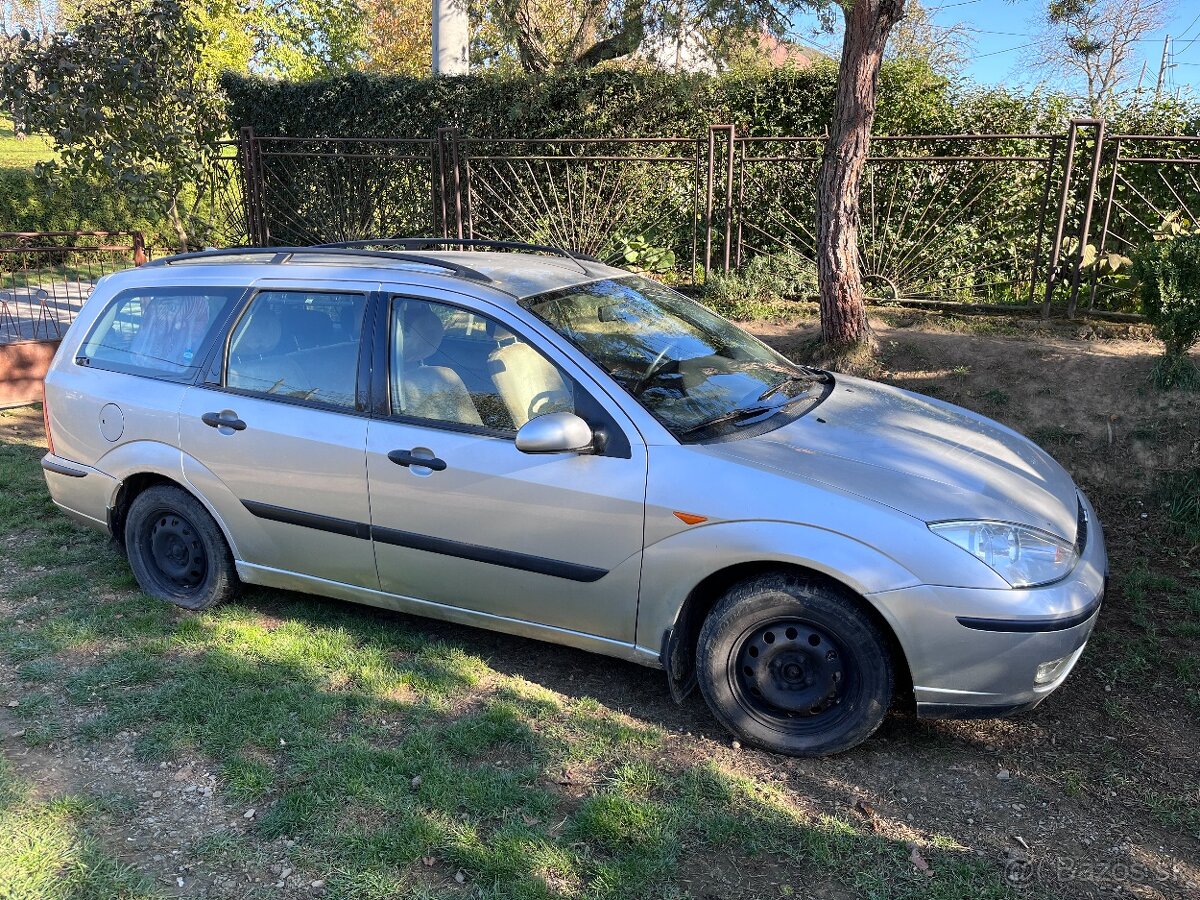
(376, 746)
(46, 855)
(394, 754)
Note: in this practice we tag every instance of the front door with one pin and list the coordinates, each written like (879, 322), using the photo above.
(277, 441)
(462, 518)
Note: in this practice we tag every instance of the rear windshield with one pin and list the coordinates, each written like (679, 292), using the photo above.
(159, 331)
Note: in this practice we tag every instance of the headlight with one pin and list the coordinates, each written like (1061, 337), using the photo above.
(1022, 556)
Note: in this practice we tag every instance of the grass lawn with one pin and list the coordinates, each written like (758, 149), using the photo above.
(45, 855)
(292, 746)
(17, 153)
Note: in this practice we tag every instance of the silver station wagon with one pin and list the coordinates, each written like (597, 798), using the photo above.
(536, 443)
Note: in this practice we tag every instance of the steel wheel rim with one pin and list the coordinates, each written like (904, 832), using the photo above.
(793, 675)
(177, 552)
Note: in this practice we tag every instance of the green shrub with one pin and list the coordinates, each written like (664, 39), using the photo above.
(623, 102)
(758, 288)
(640, 254)
(1180, 493)
(1169, 272)
(30, 203)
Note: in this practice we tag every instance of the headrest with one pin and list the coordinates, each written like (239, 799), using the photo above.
(262, 333)
(423, 332)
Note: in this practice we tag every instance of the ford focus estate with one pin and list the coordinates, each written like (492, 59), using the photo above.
(543, 445)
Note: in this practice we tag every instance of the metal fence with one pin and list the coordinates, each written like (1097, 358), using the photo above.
(971, 218)
(46, 276)
(598, 196)
(947, 217)
(1148, 183)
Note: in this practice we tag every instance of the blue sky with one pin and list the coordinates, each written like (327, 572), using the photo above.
(1000, 28)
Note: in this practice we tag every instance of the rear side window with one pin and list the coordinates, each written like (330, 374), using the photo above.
(159, 331)
(298, 345)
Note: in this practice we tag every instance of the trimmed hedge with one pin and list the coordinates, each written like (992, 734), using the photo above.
(614, 102)
(30, 203)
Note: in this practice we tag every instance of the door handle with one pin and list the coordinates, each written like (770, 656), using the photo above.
(218, 420)
(405, 458)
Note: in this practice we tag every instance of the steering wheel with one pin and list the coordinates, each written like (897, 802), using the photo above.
(651, 370)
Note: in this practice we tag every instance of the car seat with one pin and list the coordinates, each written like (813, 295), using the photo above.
(257, 363)
(529, 384)
(420, 390)
(170, 334)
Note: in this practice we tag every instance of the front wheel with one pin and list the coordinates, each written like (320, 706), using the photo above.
(176, 550)
(793, 665)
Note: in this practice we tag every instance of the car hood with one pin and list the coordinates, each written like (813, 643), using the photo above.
(921, 456)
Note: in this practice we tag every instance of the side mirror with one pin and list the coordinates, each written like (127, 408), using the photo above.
(560, 432)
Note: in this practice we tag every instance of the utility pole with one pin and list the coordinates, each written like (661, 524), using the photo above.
(451, 38)
(1162, 67)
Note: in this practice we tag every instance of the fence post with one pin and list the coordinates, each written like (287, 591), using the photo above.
(711, 195)
(741, 201)
(257, 232)
(1053, 275)
(139, 248)
(1063, 196)
(1086, 224)
(1108, 208)
(450, 182)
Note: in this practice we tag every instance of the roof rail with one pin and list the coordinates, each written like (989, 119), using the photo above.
(429, 243)
(284, 254)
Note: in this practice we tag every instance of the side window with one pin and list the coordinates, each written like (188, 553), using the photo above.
(159, 331)
(449, 365)
(299, 345)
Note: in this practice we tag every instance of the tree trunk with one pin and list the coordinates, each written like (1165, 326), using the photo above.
(843, 310)
(177, 224)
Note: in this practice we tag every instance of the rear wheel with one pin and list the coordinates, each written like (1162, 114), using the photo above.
(793, 665)
(176, 550)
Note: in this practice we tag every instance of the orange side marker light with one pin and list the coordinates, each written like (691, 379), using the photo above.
(690, 518)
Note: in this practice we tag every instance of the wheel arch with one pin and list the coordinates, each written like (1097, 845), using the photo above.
(679, 643)
(131, 486)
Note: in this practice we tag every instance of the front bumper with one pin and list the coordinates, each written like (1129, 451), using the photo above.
(974, 653)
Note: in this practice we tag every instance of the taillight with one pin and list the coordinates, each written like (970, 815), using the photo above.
(46, 420)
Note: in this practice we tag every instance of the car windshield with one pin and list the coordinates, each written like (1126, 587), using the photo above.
(695, 372)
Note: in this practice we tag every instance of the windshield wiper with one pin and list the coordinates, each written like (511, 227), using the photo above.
(806, 377)
(743, 412)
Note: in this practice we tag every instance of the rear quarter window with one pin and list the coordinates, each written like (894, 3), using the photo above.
(161, 331)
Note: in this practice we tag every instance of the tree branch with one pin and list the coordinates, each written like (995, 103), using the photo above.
(627, 38)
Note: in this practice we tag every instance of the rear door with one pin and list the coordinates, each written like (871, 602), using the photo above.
(551, 539)
(276, 436)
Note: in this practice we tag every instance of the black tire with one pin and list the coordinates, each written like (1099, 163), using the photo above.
(794, 665)
(176, 550)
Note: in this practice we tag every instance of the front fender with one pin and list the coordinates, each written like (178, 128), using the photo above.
(674, 566)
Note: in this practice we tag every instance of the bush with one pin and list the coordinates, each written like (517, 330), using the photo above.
(758, 288)
(30, 203)
(1169, 272)
(621, 102)
(1180, 494)
(948, 227)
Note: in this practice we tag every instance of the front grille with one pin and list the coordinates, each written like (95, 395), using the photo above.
(1081, 533)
